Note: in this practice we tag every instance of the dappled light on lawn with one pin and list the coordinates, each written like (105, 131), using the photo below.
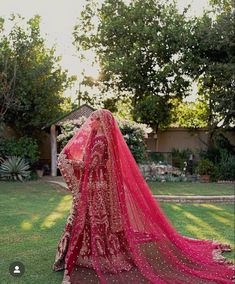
(27, 225)
(195, 231)
(209, 206)
(34, 219)
(176, 207)
(215, 208)
(202, 221)
(59, 213)
(204, 226)
(221, 219)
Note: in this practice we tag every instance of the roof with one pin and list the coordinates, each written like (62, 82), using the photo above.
(84, 110)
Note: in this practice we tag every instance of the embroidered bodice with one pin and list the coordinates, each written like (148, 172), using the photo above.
(99, 152)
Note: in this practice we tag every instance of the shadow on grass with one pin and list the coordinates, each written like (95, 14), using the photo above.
(204, 221)
(32, 223)
(56, 214)
(33, 216)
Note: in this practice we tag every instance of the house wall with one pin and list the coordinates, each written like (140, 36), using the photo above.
(181, 138)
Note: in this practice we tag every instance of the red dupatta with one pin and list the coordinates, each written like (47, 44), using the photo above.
(151, 249)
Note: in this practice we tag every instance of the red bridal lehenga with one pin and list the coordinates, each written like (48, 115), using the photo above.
(116, 231)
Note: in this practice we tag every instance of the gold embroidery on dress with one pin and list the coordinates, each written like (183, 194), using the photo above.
(101, 215)
(102, 212)
(67, 170)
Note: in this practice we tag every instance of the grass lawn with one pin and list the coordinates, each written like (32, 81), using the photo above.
(191, 188)
(33, 215)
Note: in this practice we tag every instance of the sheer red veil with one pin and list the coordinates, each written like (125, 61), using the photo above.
(152, 250)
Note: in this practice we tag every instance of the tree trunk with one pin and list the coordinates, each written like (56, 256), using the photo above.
(53, 151)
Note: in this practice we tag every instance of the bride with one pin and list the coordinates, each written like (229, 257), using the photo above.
(116, 232)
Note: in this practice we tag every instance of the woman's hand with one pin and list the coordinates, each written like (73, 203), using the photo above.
(77, 164)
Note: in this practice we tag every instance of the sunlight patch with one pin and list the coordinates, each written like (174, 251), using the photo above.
(59, 212)
(26, 225)
(176, 207)
(193, 229)
(200, 227)
(51, 219)
(199, 222)
(221, 219)
(211, 206)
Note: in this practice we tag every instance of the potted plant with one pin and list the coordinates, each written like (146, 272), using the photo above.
(39, 168)
(204, 169)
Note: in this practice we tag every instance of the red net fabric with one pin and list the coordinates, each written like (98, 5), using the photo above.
(116, 231)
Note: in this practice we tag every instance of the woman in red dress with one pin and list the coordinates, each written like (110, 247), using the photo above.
(116, 231)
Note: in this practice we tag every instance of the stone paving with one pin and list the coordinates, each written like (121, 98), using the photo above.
(167, 198)
(196, 198)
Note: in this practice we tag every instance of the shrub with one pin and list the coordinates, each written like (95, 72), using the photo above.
(220, 148)
(14, 168)
(226, 167)
(224, 163)
(179, 157)
(205, 167)
(134, 135)
(24, 147)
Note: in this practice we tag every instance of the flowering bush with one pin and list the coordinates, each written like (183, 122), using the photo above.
(134, 135)
(68, 129)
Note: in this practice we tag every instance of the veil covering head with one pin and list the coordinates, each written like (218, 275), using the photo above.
(117, 232)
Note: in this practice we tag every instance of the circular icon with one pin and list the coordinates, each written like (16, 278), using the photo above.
(16, 269)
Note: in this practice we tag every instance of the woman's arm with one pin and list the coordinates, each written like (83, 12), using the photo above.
(67, 168)
(77, 164)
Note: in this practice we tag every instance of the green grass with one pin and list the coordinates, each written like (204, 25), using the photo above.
(204, 221)
(191, 188)
(33, 215)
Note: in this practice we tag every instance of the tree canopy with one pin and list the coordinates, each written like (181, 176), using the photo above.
(139, 47)
(32, 81)
(150, 52)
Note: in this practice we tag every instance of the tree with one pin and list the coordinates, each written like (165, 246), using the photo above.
(7, 85)
(91, 93)
(191, 114)
(222, 5)
(39, 79)
(155, 111)
(212, 64)
(139, 47)
(7, 98)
